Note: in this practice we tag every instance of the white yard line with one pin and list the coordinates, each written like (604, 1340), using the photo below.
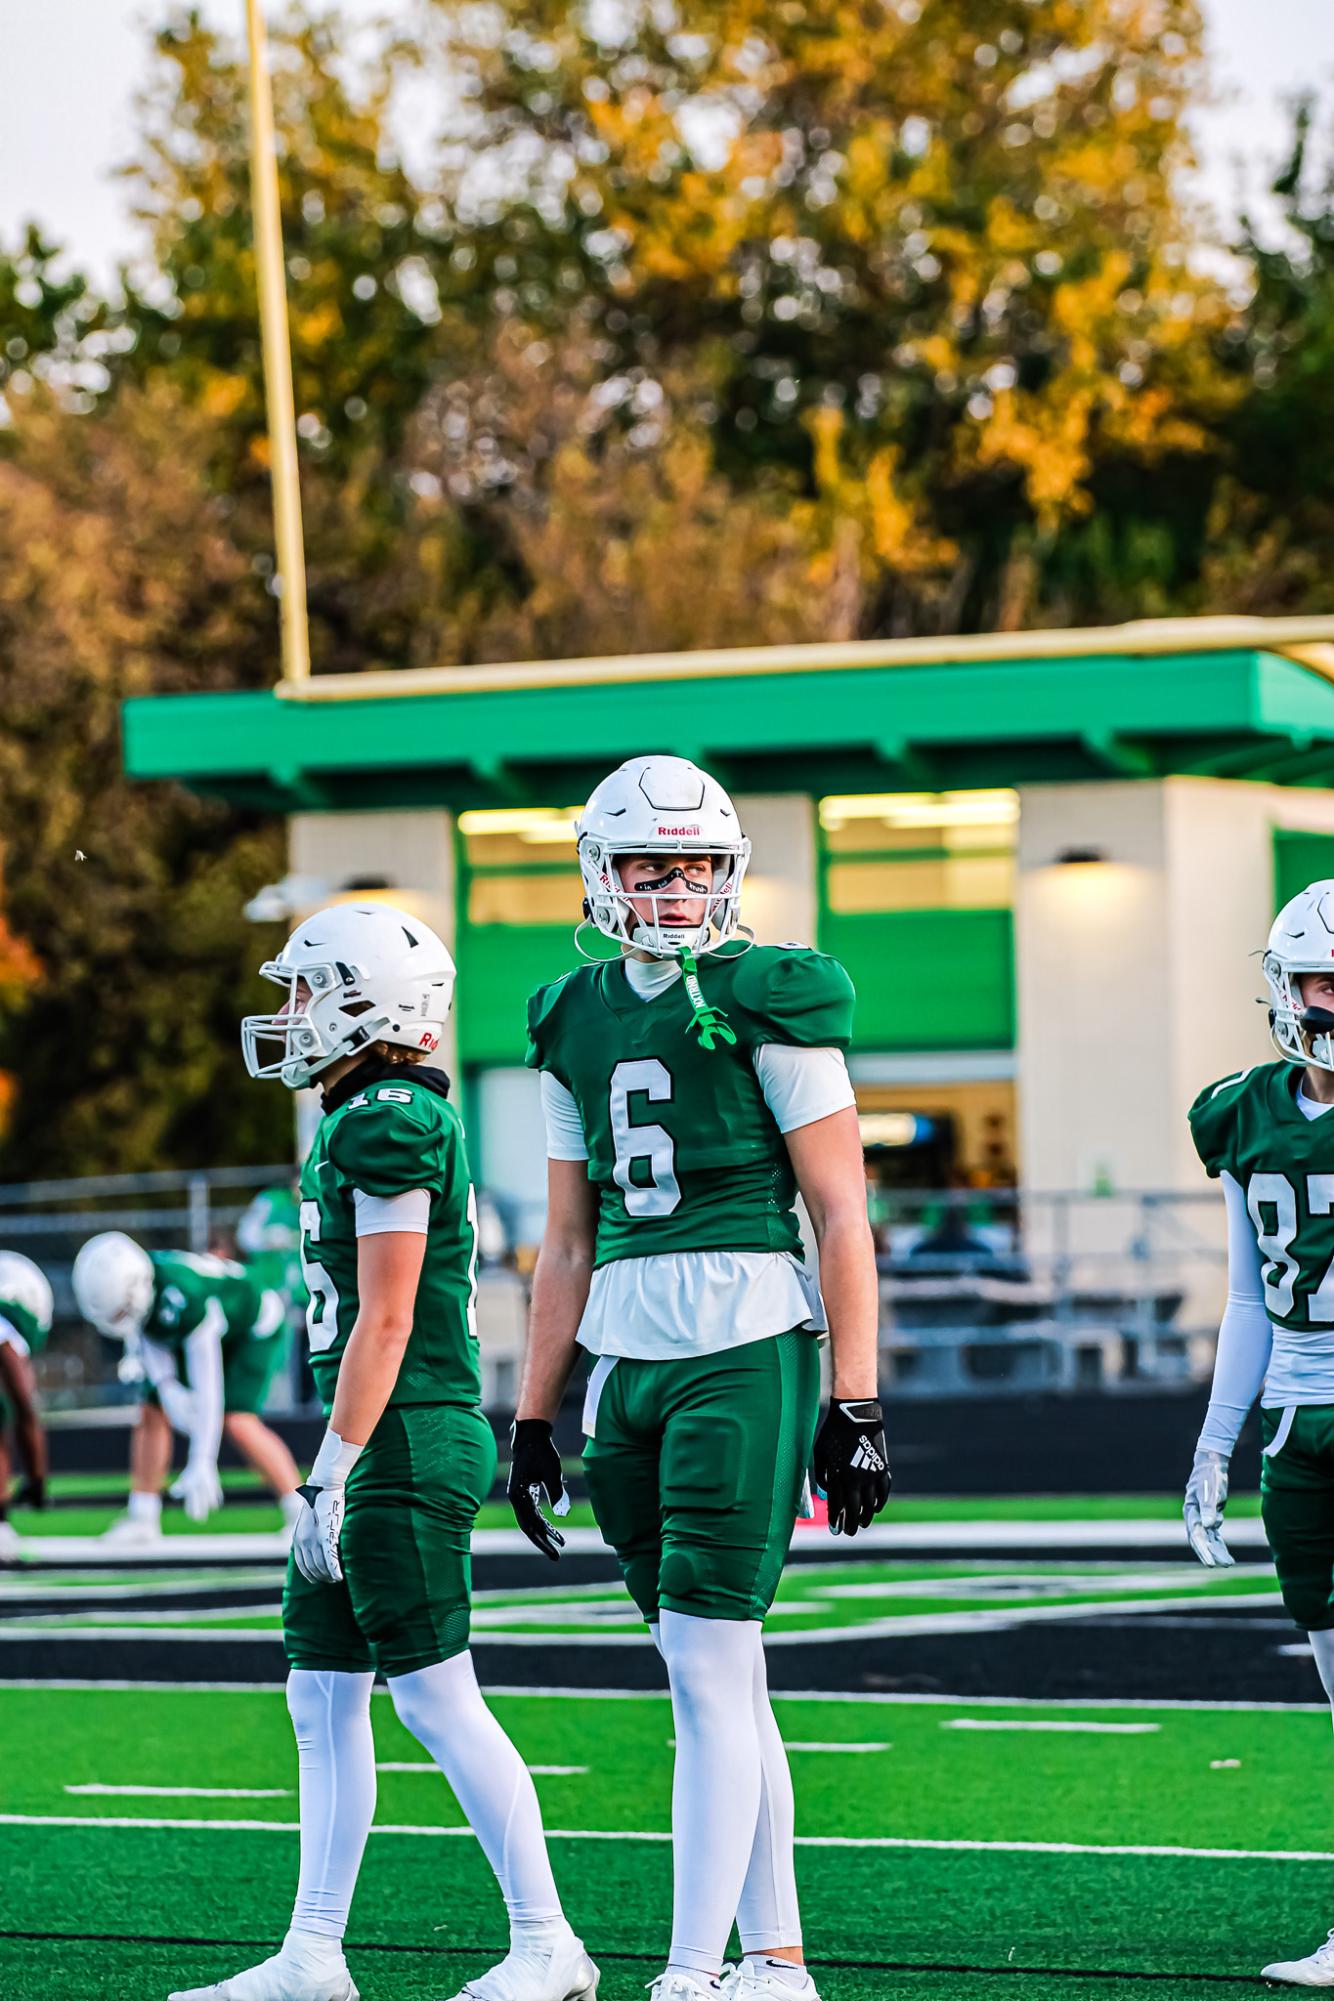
(897, 1537)
(988, 1621)
(186, 1792)
(874, 1841)
(1017, 1723)
(793, 1744)
(419, 1765)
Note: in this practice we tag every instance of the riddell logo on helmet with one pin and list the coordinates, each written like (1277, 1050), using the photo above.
(681, 830)
(428, 1039)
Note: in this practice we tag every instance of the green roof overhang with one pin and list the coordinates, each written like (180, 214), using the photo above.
(814, 719)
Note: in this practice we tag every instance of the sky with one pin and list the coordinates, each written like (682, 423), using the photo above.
(71, 67)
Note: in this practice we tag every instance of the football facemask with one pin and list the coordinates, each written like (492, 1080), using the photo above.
(667, 807)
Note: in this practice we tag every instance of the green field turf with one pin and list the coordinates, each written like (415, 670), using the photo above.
(1072, 1915)
(105, 1495)
(873, 1595)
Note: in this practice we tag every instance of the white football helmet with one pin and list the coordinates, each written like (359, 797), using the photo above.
(666, 806)
(1301, 940)
(113, 1284)
(22, 1283)
(373, 974)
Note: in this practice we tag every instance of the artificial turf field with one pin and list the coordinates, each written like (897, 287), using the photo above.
(906, 1873)
(966, 1847)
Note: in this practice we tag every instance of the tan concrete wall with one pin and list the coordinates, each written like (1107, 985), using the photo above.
(1136, 977)
(779, 901)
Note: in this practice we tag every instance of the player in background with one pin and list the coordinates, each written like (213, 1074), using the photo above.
(268, 1237)
(25, 1322)
(207, 1341)
(268, 1241)
(380, 1570)
(691, 1088)
(1266, 1134)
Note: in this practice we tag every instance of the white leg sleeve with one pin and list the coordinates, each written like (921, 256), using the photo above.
(331, 1714)
(1322, 1646)
(443, 1708)
(769, 1916)
(711, 1664)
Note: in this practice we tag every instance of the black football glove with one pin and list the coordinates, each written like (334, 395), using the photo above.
(534, 1469)
(851, 1463)
(30, 1493)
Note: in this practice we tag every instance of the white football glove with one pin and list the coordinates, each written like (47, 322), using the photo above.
(315, 1541)
(199, 1488)
(320, 1523)
(1206, 1498)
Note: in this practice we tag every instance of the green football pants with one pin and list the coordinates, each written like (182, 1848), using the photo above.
(695, 1470)
(412, 1499)
(1297, 1503)
(250, 1365)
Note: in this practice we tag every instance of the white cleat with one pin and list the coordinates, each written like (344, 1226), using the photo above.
(126, 1533)
(768, 1980)
(1315, 1971)
(278, 1979)
(562, 1972)
(675, 1986)
(11, 1542)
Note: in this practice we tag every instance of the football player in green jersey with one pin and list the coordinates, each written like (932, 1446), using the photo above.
(379, 1576)
(1268, 1136)
(25, 1322)
(207, 1341)
(692, 1087)
(268, 1236)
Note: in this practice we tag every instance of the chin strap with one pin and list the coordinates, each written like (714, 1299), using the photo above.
(709, 1023)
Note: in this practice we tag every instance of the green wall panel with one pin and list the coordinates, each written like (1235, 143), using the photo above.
(928, 979)
(499, 966)
(1298, 859)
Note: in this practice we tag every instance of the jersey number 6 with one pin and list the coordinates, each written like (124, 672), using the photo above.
(322, 1306)
(633, 1143)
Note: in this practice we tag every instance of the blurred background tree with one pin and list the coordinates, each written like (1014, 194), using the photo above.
(611, 330)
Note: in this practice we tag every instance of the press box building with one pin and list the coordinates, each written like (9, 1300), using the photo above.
(1046, 859)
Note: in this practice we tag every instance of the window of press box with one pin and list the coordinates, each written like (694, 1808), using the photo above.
(519, 865)
(919, 850)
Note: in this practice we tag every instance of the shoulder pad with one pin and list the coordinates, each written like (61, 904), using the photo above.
(392, 1137)
(543, 1007)
(796, 995)
(1213, 1117)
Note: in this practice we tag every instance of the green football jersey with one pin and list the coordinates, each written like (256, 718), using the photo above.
(268, 1237)
(396, 1134)
(1251, 1127)
(683, 1150)
(184, 1284)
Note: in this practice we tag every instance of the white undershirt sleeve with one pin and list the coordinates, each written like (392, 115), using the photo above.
(377, 1215)
(565, 1128)
(203, 1353)
(802, 1086)
(1245, 1334)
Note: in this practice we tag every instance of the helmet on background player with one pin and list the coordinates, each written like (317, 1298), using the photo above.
(661, 806)
(1301, 940)
(372, 973)
(113, 1284)
(22, 1283)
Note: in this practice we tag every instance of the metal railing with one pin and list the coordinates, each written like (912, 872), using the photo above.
(981, 1290)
